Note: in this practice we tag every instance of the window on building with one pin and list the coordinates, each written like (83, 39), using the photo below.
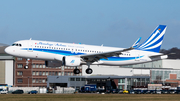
(120, 87)
(121, 81)
(40, 81)
(33, 66)
(19, 58)
(72, 79)
(20, 66)
(37, 66)
(43, 66)
(40, 73)
(53, 73)
(33, 73)
(44, 73)
(77, 79)
(40, 66)
(43, 81)
(59, 73)
(20, 80)
(83, 79)
(65, 73)
(47, 73)
(33, 80)
(37, 73)
(19, 73)
(37, 81)
(56, 73)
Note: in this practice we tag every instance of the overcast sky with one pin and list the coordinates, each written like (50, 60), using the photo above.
(116, 23)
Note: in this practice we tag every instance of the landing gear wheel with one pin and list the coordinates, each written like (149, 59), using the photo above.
(26, 67)
(89, 71)
(76, 71)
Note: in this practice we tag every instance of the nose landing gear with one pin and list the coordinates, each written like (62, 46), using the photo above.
(27, 62)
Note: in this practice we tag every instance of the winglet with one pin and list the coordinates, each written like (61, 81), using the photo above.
(136, 43)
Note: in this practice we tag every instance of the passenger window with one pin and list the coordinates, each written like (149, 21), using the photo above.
(19, 44)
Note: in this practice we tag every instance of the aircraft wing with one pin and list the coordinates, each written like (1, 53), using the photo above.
(105, 55)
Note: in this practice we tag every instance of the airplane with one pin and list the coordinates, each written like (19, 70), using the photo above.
(58, 54)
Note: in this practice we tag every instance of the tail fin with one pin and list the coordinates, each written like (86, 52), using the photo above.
(154, 42)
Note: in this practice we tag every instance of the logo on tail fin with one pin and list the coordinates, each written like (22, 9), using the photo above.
(154, 42)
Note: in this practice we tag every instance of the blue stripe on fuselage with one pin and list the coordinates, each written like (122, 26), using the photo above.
(68, 53)
(120, 58)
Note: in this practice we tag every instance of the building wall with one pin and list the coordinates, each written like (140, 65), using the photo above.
(115, 70)
(37, 73)
(9, 74)
(153, 64)
(161, 75)
(169, 63)
(6, 72)
(2, 72)
(107, 70)
(166, 63)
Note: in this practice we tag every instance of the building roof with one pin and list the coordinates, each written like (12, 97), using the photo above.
(3, 55)
(2, 49)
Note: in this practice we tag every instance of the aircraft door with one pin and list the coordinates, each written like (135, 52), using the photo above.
(30, 46)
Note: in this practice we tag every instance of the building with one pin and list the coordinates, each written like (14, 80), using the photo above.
(6, 67)
(36, 74)
(121, 82)
(165, 72)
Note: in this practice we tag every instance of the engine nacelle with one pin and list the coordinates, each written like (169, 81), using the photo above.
(71, 61)
(53, 63)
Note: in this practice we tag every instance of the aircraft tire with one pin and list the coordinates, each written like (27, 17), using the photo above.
(76, 71)
(89, 71)
(26, 67)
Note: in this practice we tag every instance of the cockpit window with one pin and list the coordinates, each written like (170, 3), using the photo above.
(16, 44)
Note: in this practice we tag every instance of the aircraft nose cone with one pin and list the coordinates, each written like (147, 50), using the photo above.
(7, 50)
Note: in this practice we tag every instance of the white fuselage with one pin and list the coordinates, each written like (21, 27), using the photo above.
(47, 50)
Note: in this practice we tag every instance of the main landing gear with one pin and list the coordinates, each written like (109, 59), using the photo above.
(76, 71)
(88, 70)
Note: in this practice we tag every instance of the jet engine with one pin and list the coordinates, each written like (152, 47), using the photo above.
(71, 61)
